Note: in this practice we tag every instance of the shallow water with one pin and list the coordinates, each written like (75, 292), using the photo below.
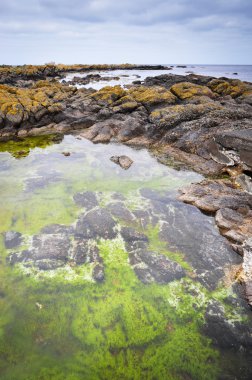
(60, 323)
(242, 72)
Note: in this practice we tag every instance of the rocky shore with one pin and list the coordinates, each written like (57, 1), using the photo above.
(202, 121)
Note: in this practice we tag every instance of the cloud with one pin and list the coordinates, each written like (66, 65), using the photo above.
(163, 26)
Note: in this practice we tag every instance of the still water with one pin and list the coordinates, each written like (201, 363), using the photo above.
(164, 270)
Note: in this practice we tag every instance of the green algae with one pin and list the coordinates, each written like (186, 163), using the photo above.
(121, 329)
(63, 325)
(157, 245)
(21, 148)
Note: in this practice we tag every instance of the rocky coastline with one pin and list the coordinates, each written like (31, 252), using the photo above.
(204, 122)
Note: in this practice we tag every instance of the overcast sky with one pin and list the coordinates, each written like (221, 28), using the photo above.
(120, 31)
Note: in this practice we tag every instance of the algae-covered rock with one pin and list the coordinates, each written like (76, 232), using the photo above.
(187, 90)
(12, 239)
(87, 199)
(153, 96)
(232, 87)
(108, 95)
(171, 116)
(21, 104)
(96, 223)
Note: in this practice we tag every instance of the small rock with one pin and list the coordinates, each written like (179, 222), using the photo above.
(98, 272)
(124, 161)
(12, 239)
(66, 154)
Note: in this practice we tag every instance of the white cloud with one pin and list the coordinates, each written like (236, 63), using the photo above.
(151, 31)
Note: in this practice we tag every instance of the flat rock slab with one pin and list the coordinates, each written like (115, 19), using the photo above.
(119, 211)
(152, 267)
(210, 196)
(222, 332)
(51, 246)
(232, 206)
(97, 223)
(240, 140)
(87, 199)
(185, 229)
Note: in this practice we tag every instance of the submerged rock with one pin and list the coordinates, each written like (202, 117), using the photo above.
(223, 332)
(150, 266)
(98, 272)
(120, 211)
(12, 239)
(96, 223)
(87, 199)
(185, 229)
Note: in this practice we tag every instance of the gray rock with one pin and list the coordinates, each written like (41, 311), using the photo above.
(96, 224)
(85, 251)
(19, 257)
(98, 272)
(131, 235)
(57, 229)
(12, 239)
(224, 333)
(86, 199)
(119, 211)
(51, 247)
(240, 140)
(150, 266)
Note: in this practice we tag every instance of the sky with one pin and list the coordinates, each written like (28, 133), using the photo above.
(126, 31)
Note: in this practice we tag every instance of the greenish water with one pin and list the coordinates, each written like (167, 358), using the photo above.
(61, 324)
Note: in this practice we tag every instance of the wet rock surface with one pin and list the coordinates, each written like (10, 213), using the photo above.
(90, 78)
(182, 228)
(232, 206)
(96, 224)
(152, 267)
(86, 199)
(124, 161)
(208, 253)
(224, 333)
(12, 239)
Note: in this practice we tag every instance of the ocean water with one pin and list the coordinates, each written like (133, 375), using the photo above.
(243, 72)
(126, 77)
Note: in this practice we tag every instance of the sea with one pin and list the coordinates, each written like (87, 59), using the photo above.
(126, 77)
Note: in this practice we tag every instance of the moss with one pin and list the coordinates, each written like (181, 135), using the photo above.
(233, 87)
(187, 90)
(173, 115)
(151, 96)
(16, 104)
(66, 326)
(157, 245)
(21, 147)
(109, 94)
